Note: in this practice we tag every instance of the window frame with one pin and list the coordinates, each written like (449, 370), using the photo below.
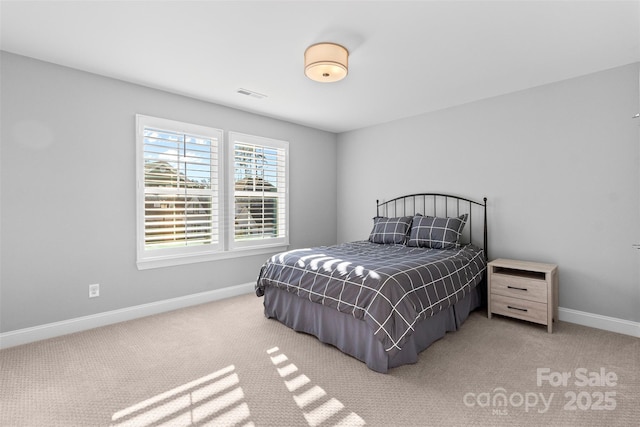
(278, 243)
(159, 257)
(225, 248)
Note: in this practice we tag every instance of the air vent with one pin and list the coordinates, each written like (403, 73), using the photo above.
(251, 93)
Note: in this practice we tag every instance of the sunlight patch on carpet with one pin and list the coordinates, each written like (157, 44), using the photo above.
(215, 399)
(317, 408)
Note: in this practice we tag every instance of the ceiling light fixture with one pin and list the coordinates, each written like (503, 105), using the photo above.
(326, 62)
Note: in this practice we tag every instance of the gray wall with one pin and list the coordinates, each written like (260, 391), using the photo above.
(68, 193)
(559, 164)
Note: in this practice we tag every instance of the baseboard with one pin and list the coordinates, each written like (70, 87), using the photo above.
(51, 330)
(597, 321)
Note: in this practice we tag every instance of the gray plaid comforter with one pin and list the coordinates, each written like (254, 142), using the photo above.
(391, 287)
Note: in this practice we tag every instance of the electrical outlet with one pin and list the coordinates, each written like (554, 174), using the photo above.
(94, 290)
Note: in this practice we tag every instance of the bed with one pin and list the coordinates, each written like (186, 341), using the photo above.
(384, 300)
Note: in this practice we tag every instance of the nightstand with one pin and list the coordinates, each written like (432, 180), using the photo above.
(523, 290)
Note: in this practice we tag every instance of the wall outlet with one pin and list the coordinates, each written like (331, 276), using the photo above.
(94, 290)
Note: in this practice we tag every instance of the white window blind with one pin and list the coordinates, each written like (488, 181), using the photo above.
(178, 188)
(258, 203)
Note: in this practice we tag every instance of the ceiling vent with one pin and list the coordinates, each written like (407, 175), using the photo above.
(251, 93)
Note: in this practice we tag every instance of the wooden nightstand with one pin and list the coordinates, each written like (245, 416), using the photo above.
(524, 290)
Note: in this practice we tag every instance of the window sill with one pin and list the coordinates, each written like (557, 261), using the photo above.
(170, 261)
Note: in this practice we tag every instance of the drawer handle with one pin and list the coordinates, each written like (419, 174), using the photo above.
(515, 287)
(517, 308)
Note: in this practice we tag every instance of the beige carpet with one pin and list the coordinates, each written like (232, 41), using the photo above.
(224, 363)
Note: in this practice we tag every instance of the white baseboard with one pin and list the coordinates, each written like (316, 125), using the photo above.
(50, 330)
(597, 321)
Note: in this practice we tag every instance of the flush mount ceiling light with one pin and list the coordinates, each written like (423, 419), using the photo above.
(326, 62)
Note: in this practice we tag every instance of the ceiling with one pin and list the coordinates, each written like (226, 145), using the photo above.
(406, 57)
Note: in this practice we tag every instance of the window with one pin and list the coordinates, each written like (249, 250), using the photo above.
(178, 189)
(258, 206)
(181, 205)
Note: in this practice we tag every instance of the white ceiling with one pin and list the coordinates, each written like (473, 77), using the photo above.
(406, 57)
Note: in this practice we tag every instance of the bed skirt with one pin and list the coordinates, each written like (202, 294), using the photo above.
(355, 337)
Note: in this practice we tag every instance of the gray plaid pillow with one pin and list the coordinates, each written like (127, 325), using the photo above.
(436, 233)
(390, 230)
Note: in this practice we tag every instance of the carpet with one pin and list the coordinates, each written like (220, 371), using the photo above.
(224, 363)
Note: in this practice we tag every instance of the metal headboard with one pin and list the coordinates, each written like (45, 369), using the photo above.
(447, 205)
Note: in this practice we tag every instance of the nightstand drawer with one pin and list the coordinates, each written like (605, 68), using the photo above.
(519, 287)
(519, 308)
